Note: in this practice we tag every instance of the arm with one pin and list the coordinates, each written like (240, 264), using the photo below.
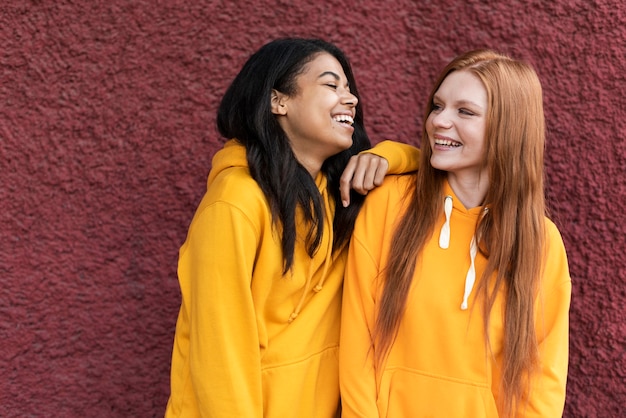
(547, 395)
(356, 365)
(223, 342)
(367, 170)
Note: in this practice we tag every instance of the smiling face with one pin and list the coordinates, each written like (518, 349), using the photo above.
(318, 118)
(456, 127)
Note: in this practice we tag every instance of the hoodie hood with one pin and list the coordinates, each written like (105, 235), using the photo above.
(233, 154)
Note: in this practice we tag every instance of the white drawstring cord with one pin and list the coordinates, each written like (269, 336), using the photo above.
(470, 278)
(444, 236)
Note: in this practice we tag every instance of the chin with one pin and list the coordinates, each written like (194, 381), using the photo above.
(436, 164)
(344, 144)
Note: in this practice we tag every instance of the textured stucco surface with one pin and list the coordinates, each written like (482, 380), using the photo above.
(106, 134)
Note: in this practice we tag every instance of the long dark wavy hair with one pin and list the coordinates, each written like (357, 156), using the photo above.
(245, 114)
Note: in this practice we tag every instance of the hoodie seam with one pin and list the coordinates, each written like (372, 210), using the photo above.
(232, 207)
(301, 359)
(484, 385)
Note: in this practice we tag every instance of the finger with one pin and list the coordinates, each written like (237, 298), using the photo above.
(361, 172)
(383, 167)
(369, 175)
(376, 172)
(345, 182)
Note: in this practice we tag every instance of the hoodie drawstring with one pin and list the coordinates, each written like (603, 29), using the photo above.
(298, 308)
(444, 243)
(327, 261)
(470, 278)
(444, 236)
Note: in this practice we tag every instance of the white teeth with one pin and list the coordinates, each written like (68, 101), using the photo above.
(344, 118)
(447, 143)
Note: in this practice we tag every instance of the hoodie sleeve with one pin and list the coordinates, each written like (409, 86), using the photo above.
(547, 395)
(356, 364)
(216, 264)
(402, 158)
(357, 373)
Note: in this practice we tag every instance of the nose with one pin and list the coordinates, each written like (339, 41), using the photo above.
(349, 98)
(440, 118)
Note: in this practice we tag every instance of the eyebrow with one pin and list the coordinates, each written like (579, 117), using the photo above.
(334, 75)
(461, 102)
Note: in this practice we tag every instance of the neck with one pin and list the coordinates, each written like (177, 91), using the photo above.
(313, 169)
(312, 165)
(470, 190)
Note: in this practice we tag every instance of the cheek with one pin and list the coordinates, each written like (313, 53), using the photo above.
(476, 132)
(429, 124)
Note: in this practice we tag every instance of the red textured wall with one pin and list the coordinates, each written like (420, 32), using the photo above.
(106, 133)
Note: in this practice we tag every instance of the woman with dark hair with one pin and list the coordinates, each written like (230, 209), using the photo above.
(457, 287)
(262, 268)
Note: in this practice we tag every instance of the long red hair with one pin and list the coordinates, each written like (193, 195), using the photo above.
(511, 234)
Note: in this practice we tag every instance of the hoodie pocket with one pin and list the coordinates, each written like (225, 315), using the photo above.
(410, 393)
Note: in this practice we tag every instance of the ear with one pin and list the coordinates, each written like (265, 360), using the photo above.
(279, 101)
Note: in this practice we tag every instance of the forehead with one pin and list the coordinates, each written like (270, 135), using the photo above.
(322, 63)
(463, 85)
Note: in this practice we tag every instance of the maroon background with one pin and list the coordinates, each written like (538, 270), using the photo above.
(107, 129)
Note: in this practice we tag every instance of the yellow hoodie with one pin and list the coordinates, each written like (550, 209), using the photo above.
(249, 341)
(439, 365)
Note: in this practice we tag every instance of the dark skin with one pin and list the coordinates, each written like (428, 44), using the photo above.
(364, 172)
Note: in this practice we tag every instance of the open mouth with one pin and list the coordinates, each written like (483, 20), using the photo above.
(347, 119)
(447, 143)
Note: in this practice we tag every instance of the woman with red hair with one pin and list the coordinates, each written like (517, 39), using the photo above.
(457, 288)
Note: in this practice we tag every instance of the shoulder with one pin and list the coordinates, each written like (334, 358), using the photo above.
(234, 185)
(233, 196)
(554, 239)
(556, 269)
(394, 187)
(384, 206)
(394, 191)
